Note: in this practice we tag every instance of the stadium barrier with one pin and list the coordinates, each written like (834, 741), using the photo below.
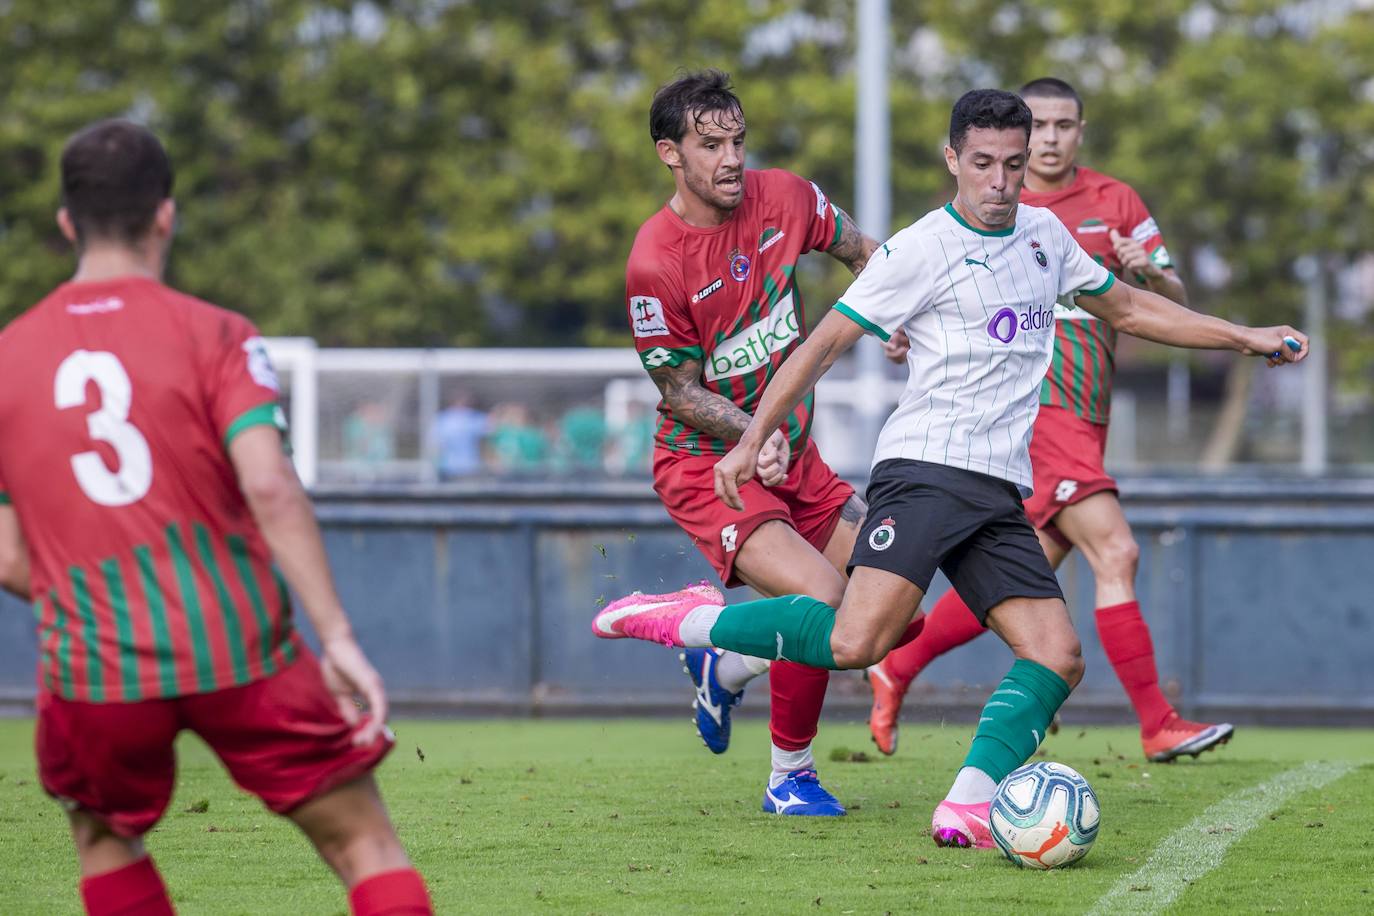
(476, 597)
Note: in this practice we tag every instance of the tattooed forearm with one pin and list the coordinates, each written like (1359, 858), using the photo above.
(695, 406)
(853, 248)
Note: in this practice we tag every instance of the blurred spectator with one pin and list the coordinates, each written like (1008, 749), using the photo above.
(367, 434)
(633, 445)
(515, 445)
(582, 440)
(458, 432)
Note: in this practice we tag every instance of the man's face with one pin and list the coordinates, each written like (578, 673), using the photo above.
(990, 172)
(1056, 132)
(711, 156)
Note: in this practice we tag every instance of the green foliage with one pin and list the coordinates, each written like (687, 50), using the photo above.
(421, 172)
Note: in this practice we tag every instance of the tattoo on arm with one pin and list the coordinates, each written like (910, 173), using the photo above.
(692, 404)
(854, 510)
(853, 248)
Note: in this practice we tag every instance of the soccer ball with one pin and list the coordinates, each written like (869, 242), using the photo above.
(1044, 815)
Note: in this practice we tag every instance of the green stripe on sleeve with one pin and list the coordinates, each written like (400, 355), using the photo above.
(262, 415)
(861, 321)
(238, 549)
(195, 616)
(124, 626)
(157, 614)
(233, 629)
(839, 228)
(90, 635)
(658, 357)
(4, 498)
(1111, 278)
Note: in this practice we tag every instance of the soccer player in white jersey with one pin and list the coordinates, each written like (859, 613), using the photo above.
(974, 285)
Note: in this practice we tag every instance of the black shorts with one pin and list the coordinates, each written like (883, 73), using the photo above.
(923, 517)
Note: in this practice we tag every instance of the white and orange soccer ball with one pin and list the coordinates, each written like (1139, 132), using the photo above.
(1044, 815)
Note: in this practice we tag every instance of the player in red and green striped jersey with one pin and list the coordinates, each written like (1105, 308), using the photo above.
(1075, 502)
(144, 495)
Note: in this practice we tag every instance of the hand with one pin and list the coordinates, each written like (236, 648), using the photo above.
(895, 347)
(348, 674)
(773, 459)
(1133, 256)
(734, 471)
(1269, 343)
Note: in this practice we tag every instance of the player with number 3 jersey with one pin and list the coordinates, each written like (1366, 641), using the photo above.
(144, 496)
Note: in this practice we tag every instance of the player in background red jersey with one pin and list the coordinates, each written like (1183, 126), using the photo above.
(144, 493)
(1075, 502)
(715, 309)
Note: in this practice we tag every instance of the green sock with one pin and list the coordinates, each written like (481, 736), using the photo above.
(1015, 718)
(793, 627)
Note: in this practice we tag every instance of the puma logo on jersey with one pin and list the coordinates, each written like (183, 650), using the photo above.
(983, 264)
(1064, 492)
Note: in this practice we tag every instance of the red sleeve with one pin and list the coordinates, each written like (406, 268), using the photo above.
(821, 220)
(241, 387)
(1141, 226)
(657, 307)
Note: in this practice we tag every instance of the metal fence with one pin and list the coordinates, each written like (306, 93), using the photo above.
(477, 598)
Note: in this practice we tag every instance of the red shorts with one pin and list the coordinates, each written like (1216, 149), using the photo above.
(809, 500)
(281, 738)
(1066, 453)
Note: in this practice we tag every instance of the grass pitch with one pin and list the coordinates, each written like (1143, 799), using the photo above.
(635, 816)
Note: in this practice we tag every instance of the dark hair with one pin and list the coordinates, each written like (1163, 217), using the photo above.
(114, 175)
(698, 95)
(992, 108)
(1047, 87)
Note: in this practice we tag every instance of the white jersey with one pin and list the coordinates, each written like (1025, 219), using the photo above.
(979, 309)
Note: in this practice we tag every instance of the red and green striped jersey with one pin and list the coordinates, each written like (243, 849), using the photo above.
(149, 576)
(727, 297)
(1080, 376)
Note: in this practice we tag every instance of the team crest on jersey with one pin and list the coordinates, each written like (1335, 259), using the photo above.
(771, 236)
(1040, 257)
(883, 536)
(647, 314)
(708, 290)
(739, 265)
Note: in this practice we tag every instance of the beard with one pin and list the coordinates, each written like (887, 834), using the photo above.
(704, 186)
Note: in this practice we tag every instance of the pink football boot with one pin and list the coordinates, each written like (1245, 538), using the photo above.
(654, 618)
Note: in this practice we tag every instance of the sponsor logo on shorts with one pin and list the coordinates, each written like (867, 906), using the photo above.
(728, 535)
(1040, 257)
(1064, 492)
(739, 265)
(646, 313)
(1007, 321)
(711, 288)
(882, 537)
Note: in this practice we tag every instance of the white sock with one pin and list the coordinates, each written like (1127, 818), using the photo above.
(785, 762)
(695, 629)
(971, 787)
(735, 670)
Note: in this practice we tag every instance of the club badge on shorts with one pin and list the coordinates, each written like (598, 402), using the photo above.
(883, 536)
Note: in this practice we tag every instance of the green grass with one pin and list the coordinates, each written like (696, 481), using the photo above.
(634, 816)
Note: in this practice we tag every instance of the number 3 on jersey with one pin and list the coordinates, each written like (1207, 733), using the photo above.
(110, 424)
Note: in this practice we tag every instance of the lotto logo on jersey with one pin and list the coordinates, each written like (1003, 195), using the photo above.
(1007, 322)
(646, 313)
(752, 348)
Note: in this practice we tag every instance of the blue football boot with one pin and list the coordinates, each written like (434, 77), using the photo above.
(801, 793)
(713, 702)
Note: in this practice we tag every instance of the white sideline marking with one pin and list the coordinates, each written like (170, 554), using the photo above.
(1195, 849)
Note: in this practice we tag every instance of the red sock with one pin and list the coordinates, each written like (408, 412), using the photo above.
(391, 893)
(1126, 640)
(134, 890)
(797, 693)
(912, 630)
(948, 625)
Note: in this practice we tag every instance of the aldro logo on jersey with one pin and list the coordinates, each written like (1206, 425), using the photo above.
(1007, 322)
